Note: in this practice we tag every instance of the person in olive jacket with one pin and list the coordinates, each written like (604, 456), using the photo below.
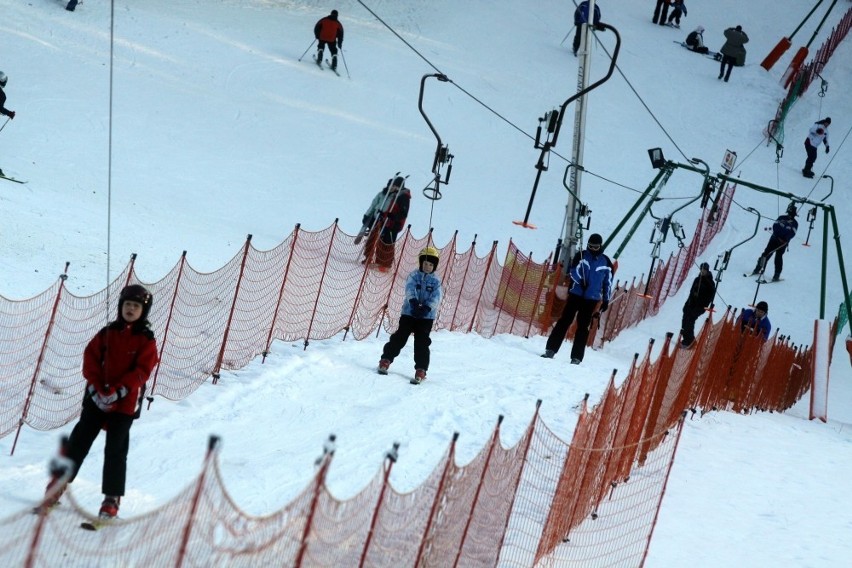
(733, 52)
(117, 363)
(700, 298)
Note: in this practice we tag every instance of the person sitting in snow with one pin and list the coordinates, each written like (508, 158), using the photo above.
(695, 41)
(419, 310)
(756, 320)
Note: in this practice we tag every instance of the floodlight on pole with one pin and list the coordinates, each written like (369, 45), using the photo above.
(657, 158)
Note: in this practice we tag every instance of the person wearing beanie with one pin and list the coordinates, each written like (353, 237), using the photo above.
(818, 134)
(419, 309)
(700, 298)
(733, 52)
(328, 31)
(695, 41)
(756, 320)
(117, 363)
(783, 231)
(590, 276)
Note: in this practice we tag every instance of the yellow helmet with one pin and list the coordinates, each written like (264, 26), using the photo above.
(431, 254)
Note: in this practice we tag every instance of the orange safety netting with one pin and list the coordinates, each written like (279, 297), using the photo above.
(542, 502)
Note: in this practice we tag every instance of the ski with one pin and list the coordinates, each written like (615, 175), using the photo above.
(96, 524)
(714, 55)
(415, 381)
(327, 62)
(12, 179)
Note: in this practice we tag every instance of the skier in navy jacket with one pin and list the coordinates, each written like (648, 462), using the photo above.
(591, 277)
(756, 320)
(783, 231)
(581, 16)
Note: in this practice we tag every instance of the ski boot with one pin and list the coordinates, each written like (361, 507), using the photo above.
(758, 268)
(384, 365)
(109, 508)
(419, 376)
(548, 354)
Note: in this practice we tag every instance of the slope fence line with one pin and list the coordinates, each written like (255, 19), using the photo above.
(311, 286)
(542, 502)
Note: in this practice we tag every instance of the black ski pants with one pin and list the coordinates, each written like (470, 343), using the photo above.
(421, 328)
(332, 48)
(812, 156)
(687, 324)
(728, 61)
(661, 12)
(582, 309)
(117, 426)
(779, 247)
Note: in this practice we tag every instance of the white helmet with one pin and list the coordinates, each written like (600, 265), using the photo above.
(3, 79)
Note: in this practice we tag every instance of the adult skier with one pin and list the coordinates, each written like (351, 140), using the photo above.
(783, 230)
(700, 297)
(385, 219)
(591, 277)
(817, 135)
(3, 110)
(329, 31)
(581, 17)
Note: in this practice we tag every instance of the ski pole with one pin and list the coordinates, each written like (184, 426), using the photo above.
(307, 50)
(345, 66)
(566, 36)
(5, 123)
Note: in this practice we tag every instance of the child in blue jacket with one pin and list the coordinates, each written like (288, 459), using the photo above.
(419, 310)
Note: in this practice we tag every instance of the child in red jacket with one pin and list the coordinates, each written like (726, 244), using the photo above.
(116, 365)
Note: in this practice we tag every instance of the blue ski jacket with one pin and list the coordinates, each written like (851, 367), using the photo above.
(785, 228)
(591, 274)
(424, 289)
(761, 326)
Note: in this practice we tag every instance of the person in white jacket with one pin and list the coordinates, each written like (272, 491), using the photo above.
(817, 135)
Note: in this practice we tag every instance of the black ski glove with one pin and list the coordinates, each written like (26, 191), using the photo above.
(604, 306)
(826, 148)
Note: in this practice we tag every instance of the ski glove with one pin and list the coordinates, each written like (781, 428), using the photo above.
(12, 115)
(365, 220)
(604, 306)
(826, 146)
(106, 401)
(418, 309)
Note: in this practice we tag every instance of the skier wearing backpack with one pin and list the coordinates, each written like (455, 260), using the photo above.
(384, 220)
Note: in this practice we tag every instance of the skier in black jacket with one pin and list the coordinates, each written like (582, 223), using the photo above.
(700, 298)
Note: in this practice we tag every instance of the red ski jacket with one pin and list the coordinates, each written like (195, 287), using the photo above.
(121, 355)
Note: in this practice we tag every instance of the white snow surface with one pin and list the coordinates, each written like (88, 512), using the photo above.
(161, 126)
